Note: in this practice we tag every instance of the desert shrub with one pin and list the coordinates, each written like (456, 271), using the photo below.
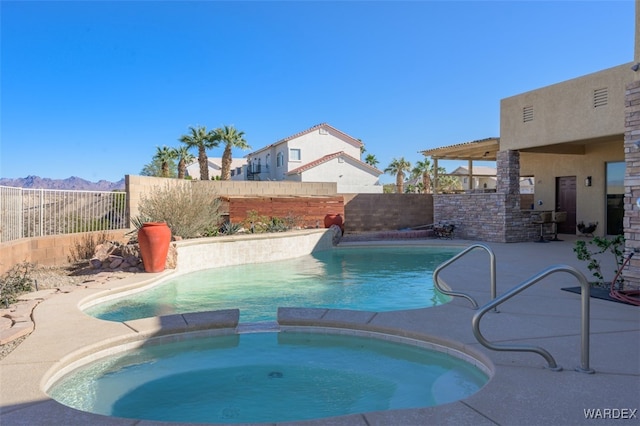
(276, 224)
(15, 282)
(292, 221)
(84, 248)
(189, 212)
(258, 223)
(255, 222)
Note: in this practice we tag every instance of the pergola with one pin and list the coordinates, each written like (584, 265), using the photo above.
(479, 150)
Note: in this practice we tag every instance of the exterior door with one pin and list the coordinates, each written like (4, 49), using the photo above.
(566, 201)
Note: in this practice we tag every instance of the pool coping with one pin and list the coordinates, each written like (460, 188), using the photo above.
(521, 390)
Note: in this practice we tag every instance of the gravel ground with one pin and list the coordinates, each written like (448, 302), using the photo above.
(7, 348)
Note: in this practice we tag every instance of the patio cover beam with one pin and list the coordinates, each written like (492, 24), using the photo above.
(482, 150)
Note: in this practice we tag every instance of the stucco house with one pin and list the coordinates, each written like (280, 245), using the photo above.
(321, 153)
(483, 178)
(215, 167)
(580, 141)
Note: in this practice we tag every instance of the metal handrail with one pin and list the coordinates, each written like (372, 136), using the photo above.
(450, 292)
(586, 293)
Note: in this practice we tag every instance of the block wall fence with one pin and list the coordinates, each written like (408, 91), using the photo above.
(52, 250)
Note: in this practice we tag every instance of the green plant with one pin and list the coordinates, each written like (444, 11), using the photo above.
(136, 223)
(190, 210)
(211, 231)
(614, 246)
(15, 282)
(255, 222)
(229, 228)
(276, 224)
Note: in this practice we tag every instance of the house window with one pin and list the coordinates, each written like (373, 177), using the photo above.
(279, 159)
(527, 114)
(294, 154)
(600, 97)
(615, 197)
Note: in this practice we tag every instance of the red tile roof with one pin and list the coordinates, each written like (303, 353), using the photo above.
(330, 157)
(349, 139)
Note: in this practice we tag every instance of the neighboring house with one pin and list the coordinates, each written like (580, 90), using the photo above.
(319, 154)
(215, 167)
(483, 178)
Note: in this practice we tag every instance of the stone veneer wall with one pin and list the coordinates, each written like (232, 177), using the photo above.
(483, 217)
(495, 217)
(51, 250)
(383, 212)
(631, 274)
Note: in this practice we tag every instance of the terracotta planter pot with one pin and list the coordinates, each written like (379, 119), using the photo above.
(333, 219)
(154, 239)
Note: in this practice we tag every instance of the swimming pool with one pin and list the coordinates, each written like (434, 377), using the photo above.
(362, 278)
(267, 377)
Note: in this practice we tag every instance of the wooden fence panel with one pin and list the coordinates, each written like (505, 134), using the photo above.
(310, 211)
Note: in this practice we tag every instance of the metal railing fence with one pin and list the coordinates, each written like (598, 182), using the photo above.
(26, 212)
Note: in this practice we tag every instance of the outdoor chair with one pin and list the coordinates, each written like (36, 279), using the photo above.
(542, 219)
(558, 217)
(444, 230)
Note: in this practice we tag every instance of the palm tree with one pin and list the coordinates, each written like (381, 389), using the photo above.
(398, 167)
(184, 157)
(371, 160)
(422, 169)
(232, 139)
(202, 140)
(165, 156)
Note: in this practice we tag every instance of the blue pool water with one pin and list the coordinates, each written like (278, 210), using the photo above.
(363, 278)
(267, 377)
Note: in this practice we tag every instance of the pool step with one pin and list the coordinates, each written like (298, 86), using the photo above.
(258, 327)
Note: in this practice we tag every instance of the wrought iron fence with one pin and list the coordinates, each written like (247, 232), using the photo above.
(28, 212)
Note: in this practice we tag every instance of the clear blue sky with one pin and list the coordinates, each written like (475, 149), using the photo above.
(90, 88)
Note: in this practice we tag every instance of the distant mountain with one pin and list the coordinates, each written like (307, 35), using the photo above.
(72, 182)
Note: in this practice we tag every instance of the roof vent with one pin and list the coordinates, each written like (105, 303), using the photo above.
(600, 97)
(323, 131)
(527, 114)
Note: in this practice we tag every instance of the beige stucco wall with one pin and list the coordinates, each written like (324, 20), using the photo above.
(564, 112)
(590, 201)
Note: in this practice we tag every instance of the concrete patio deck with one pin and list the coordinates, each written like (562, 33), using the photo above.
(521, 392)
